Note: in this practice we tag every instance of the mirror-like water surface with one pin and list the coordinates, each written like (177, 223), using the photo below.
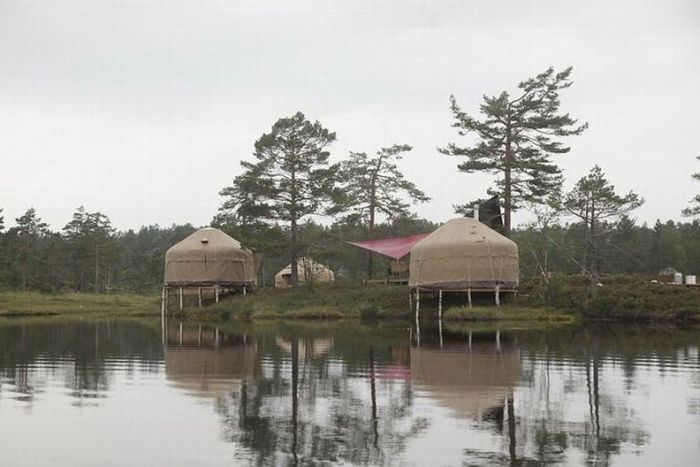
(126, 393)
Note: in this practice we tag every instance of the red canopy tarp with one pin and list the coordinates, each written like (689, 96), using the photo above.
(395, 248)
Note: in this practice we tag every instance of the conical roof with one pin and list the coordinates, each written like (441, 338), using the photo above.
(209, 257)
(463, 254)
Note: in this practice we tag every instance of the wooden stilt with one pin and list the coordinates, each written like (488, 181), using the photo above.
(244, 290)
(216, 293)
(167, 294)
(440, 305)
(199, 296)
(162, 303)
(498, 340)
(469, 296)
(498, 295)
(199, 335)
(410, 300)
(417, 304)
(216, 337)
(470, 339)
(180, 332)
(181, 298)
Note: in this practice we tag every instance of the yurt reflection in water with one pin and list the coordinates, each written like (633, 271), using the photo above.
(206, 362)
(470, 379)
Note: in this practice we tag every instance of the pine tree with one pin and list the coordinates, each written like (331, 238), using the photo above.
(290, 179)
(516, 139)
(27, 236)
(373, 186)
(594, 200)
(91, 238)
(694, 208)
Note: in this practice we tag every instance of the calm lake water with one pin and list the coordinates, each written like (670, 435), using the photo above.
(124, 393)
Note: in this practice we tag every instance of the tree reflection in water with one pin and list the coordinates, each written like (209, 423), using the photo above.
(81, 352)
(306, 394)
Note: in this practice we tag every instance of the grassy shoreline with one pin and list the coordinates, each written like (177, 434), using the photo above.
(563, 300)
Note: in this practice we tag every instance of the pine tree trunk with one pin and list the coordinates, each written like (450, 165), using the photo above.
(507, 189)
(372, 207)
(295, 269)
(371, 229)
(294, 279)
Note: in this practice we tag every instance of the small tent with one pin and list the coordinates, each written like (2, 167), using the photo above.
(464, 254)
(308, 271)
(207, 258)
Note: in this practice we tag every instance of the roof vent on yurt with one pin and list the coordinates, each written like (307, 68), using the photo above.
(209, 257)
(464, 255)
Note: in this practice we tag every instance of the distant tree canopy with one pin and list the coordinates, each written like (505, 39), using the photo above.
(92, 245)
(516, 138)
(372, 186)
(137, 264)
(291, 178)
(694, 208)
(593, 200)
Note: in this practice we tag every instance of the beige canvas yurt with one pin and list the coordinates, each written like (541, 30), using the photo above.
(464, 254)
(208, 258)
(308, 271)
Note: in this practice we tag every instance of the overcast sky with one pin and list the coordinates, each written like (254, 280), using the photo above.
(143, 109)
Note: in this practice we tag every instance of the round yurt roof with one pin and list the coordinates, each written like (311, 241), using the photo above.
(464, 253)
(209, 241)
(209, 256)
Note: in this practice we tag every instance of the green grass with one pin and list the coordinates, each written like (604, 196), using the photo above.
(16, 304)
(565, 299)
(619, 298)
(507, 313)
(325, 301)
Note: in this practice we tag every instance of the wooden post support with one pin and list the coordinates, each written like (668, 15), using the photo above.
(199, 335)
(216, 337)
(498, 340)
(244, 290)
(440, 309)
(470, 339)
(167, 293)
(216, 293)
(410, 300)
(162, 303)
(181, 298)
(180, 332)
(498, 295)
(417, 304)
(469, 296)
(199, 295)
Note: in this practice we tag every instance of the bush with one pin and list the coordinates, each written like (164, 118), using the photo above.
(369, 313)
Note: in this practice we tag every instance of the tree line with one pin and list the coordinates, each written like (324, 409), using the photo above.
(275, 203)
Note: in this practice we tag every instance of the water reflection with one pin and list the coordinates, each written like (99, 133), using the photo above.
(291, 394)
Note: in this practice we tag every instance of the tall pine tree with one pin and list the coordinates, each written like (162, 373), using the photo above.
(373, 186)
(289, 180)
(593, 200)
(515, 139)
(694, 208)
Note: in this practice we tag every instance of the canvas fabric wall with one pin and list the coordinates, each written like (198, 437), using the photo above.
(209, 257)
(464, 254)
